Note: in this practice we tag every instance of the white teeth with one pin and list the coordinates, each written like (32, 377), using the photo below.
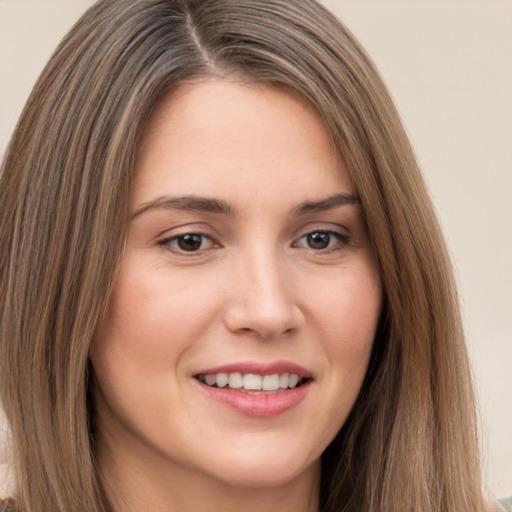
(251, 381)
(270, 382)
(210, 379)
(293, 380)
(235, 380)
(222, 380)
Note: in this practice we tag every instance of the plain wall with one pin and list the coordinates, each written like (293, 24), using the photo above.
(448, 64)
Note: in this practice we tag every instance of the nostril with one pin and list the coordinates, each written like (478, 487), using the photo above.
(250, 315)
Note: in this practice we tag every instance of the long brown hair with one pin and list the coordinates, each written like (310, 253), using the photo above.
(410, 442)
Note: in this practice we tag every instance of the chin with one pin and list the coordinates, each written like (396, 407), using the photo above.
(265, 468)
(267, 475)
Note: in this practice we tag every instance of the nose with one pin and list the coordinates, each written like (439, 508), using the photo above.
(262, 298)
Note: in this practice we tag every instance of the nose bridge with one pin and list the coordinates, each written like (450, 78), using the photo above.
(263, 300)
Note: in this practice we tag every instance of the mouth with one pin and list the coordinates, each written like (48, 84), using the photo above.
(256, 390)
(252, 382)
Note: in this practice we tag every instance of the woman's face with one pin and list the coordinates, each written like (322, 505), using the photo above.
(242, 320)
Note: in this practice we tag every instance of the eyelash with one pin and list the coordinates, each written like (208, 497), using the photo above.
(341, 240)
(167, 243)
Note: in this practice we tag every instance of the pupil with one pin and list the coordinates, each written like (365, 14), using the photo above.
(189, 242)
(319, 240)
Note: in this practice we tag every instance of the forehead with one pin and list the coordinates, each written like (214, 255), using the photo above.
(228, 135)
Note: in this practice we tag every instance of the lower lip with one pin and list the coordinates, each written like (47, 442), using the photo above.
(263, 405)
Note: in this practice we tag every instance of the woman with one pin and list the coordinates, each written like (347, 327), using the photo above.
(223, 283)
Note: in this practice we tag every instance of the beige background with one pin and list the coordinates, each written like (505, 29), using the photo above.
(448, 64)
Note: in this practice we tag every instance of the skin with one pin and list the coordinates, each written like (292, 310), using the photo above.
(253, 289)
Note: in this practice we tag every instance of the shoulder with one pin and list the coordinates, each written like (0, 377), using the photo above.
(6, 505)
(505, 505)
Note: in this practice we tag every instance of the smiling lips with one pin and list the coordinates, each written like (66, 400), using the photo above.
(256, 390)
(252, 382)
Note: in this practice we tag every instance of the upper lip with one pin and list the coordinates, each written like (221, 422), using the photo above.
(258, 368)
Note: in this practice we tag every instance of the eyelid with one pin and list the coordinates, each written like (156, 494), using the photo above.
(324, 227)
(165, 243)
(165, 238)
(342, 237)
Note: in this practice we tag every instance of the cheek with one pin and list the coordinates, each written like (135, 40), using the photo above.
(347, 321)
(350, 307)
(155, 315)
(346, 313)
(149, 325)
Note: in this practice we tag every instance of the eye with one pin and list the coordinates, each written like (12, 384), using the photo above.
(322, 240)
(188, 242)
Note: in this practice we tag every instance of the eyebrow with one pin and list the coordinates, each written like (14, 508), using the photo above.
(218, 206)
(329, 203)
(188, 203)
